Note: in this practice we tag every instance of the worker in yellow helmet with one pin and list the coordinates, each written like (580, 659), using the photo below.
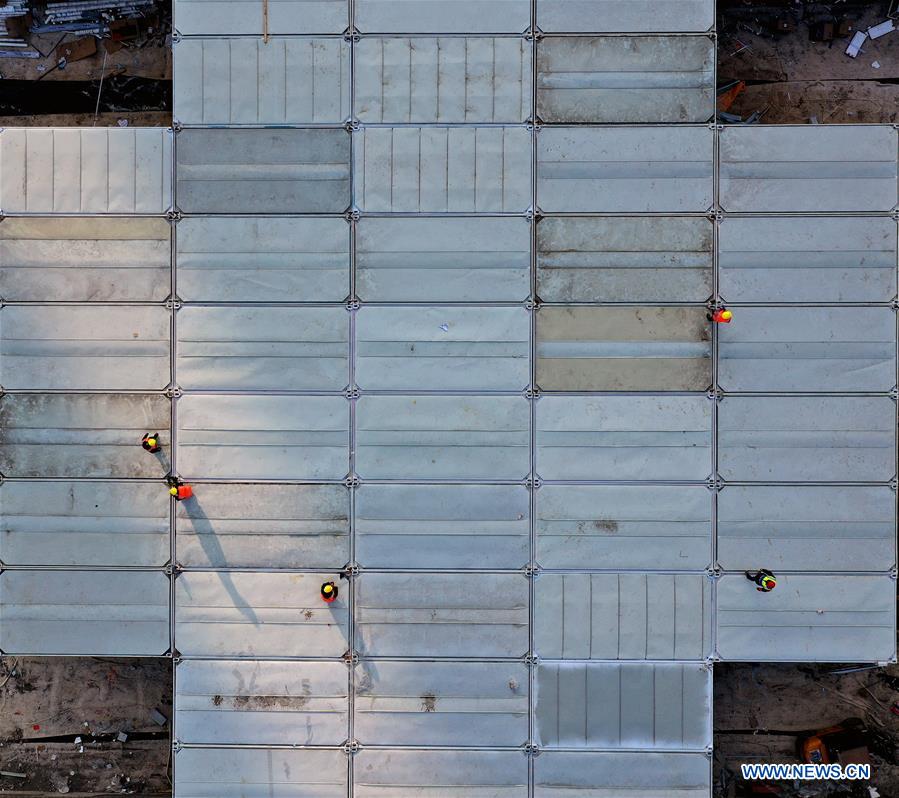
(329, 592)
(150, 442)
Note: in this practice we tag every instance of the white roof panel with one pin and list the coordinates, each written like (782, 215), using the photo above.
(625, 16)
(442, 16)
(245, 17)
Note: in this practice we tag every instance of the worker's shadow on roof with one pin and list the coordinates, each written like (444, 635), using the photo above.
(209, 542)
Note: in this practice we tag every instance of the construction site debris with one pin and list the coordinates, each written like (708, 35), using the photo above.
(855, 46)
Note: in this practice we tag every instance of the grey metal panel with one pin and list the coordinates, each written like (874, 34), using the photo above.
(624, 259)
(263, 259)
(264, 526)
(623, 526)
(442, 437)
(85, 260)
(441, 703)
(91, 613)
(564, 774)
(456, 526)
(83, 523)
(624, 169)
(820, 168)
(622, 616)
(236, 614)
(434, 169)
(86, 435)
(625, 16)
(263, 171)
(626, 79)
(252, 349)
(258, 703)
(442, 260)
(85, 348)
(852, 259)
(263, 437)
(449, 79)
(624, 437)
(808, 617)
(627, 705)
(807, 528)
(251, 82)
(443, 348)
(244, 17)
(442, 615)
(251, 772)
(830, 439)
(439, 774)
(808, 349)
(442, 16)
(85, 170)
(623, 349)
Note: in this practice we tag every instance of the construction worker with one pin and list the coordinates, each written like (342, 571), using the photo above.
(765, 581)
(329, 592)
(150, 442)
(721, 316)
(179, 489)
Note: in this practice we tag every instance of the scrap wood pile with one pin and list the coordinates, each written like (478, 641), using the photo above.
(123, 21)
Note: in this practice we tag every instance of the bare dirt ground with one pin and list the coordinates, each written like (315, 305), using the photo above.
(793, 79)
(47, 703)
(761, 711)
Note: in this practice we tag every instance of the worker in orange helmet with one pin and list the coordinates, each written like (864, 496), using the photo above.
(721, 316)
(180, 490)
(150, 442)
(765, 580)
(329, 592)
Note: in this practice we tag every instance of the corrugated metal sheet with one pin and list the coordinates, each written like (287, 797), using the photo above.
(830, 439)
(263, 437)
(264, 526)
(442, 437)
(626, 79)
(263, 259)
(244, 17)
(97, 613)
(624, 259)
(623, 349)
(807, 528)
(443, 348)
(624, 438)
(473, 170)
(622, 616)
(441, 703)
(428, 774)
(808, 349)
(442, 16)
(258, 703)
(562, 774)
(449, 79)
(233, 773)
(236, 614)
(808, 617)
(624, 170)
(251, 82)
(85, 170)
(623, 526)
(263, 348)
(820, 168)
(442, 260)
(823, 259)
(263, 171)
(85, 348)
(85, 260)
(625, 16)
(84, 523)
(627, 705)
(457, 526)
(442, 615)
(82, 435)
